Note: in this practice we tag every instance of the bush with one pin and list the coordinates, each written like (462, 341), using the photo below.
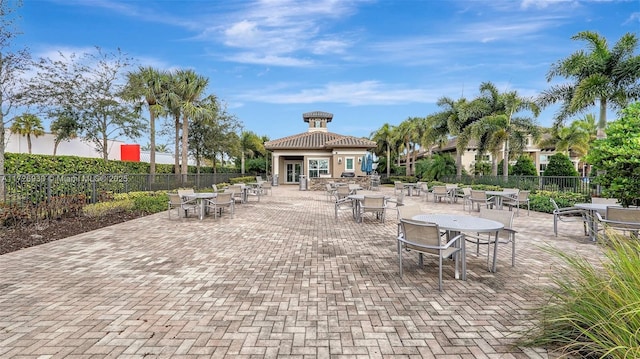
(593, 312)
(102, 209)
(560, 165)
(524, 167)
(151, 204)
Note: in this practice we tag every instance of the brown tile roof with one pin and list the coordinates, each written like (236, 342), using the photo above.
(318, 140)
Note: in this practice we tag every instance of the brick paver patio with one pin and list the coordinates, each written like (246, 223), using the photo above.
(283, 279)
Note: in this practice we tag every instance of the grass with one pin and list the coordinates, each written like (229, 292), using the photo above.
(594, 312)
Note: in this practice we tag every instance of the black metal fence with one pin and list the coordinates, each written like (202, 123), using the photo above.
(583, 185)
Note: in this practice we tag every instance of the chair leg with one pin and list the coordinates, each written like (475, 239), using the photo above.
(400, 258)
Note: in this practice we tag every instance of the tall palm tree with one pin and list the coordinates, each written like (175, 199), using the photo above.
(27, 125)
(145, 88)
(406, 133)
(603, 76)
(383, 138)
(502, 111)
(190, 88)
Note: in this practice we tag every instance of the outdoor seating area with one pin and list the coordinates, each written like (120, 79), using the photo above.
(318, 282)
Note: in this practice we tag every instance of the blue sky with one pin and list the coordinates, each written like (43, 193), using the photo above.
(367, 62)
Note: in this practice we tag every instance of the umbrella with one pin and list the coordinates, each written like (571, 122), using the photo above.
(363, 164)
(369, 164)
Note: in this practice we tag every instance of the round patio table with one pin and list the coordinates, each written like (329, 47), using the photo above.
(456, 223)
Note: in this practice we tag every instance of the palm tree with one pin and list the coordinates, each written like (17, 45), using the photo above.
(456, 117)
(603, 76)
(383, 138)
(512, 131)
(145, 88)
(406, 134)
(27, 125)
(190, 87)
(250, 144)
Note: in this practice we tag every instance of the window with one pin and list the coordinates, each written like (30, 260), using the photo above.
(318, 166)
(318, 124)
(349, 164)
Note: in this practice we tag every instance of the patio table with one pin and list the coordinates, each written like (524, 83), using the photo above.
(201, 198)
(500, 195)
(591, 209)
(456, 223)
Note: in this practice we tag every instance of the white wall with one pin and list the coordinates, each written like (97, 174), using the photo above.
(43, 145)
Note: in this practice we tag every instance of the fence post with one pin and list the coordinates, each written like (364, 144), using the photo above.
(93, 189)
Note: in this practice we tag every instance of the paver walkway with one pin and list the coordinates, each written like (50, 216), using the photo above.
(283, 279)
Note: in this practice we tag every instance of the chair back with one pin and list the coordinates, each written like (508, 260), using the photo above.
(466, 191)
(523, 196)
(373, 202)
(424, 187)
(601, 200)
(408, 211)
(511, 190)
(215, 188)
(328, 187)
(438, 190)
(450, 186)
(398, 185)
(478, 194)
(223, 198)
(504, 217)
(342, 192)
(424, 235)
(174, 199)
(185, 192)
(631, 217)
(259, 179)
(555, 205)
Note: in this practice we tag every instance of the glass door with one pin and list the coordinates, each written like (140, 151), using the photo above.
(294, 170)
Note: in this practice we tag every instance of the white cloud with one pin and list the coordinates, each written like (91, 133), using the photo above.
(354, 94)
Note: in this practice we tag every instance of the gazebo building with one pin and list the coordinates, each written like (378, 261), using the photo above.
(318, 154)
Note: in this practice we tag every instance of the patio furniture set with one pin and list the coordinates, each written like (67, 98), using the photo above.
(187, 201)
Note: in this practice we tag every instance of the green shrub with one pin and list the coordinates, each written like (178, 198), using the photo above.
(151, 204)
(245, 179)
(593, 311)
(105, 208)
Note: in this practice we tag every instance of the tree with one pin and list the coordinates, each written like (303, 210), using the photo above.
(91, 86)
(603, 76)
(458, 116)
(511, 130)
(188, 88)
(525, 167)
(250, 145)
(144, 88)
(13, 64)
(212, 132)
(615, 158)
(437, 167)
(560, 165)
(65, 127)
(27, 125)
(383, 137)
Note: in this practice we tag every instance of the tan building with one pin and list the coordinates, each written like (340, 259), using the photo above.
(317, 153)
(539, 156)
